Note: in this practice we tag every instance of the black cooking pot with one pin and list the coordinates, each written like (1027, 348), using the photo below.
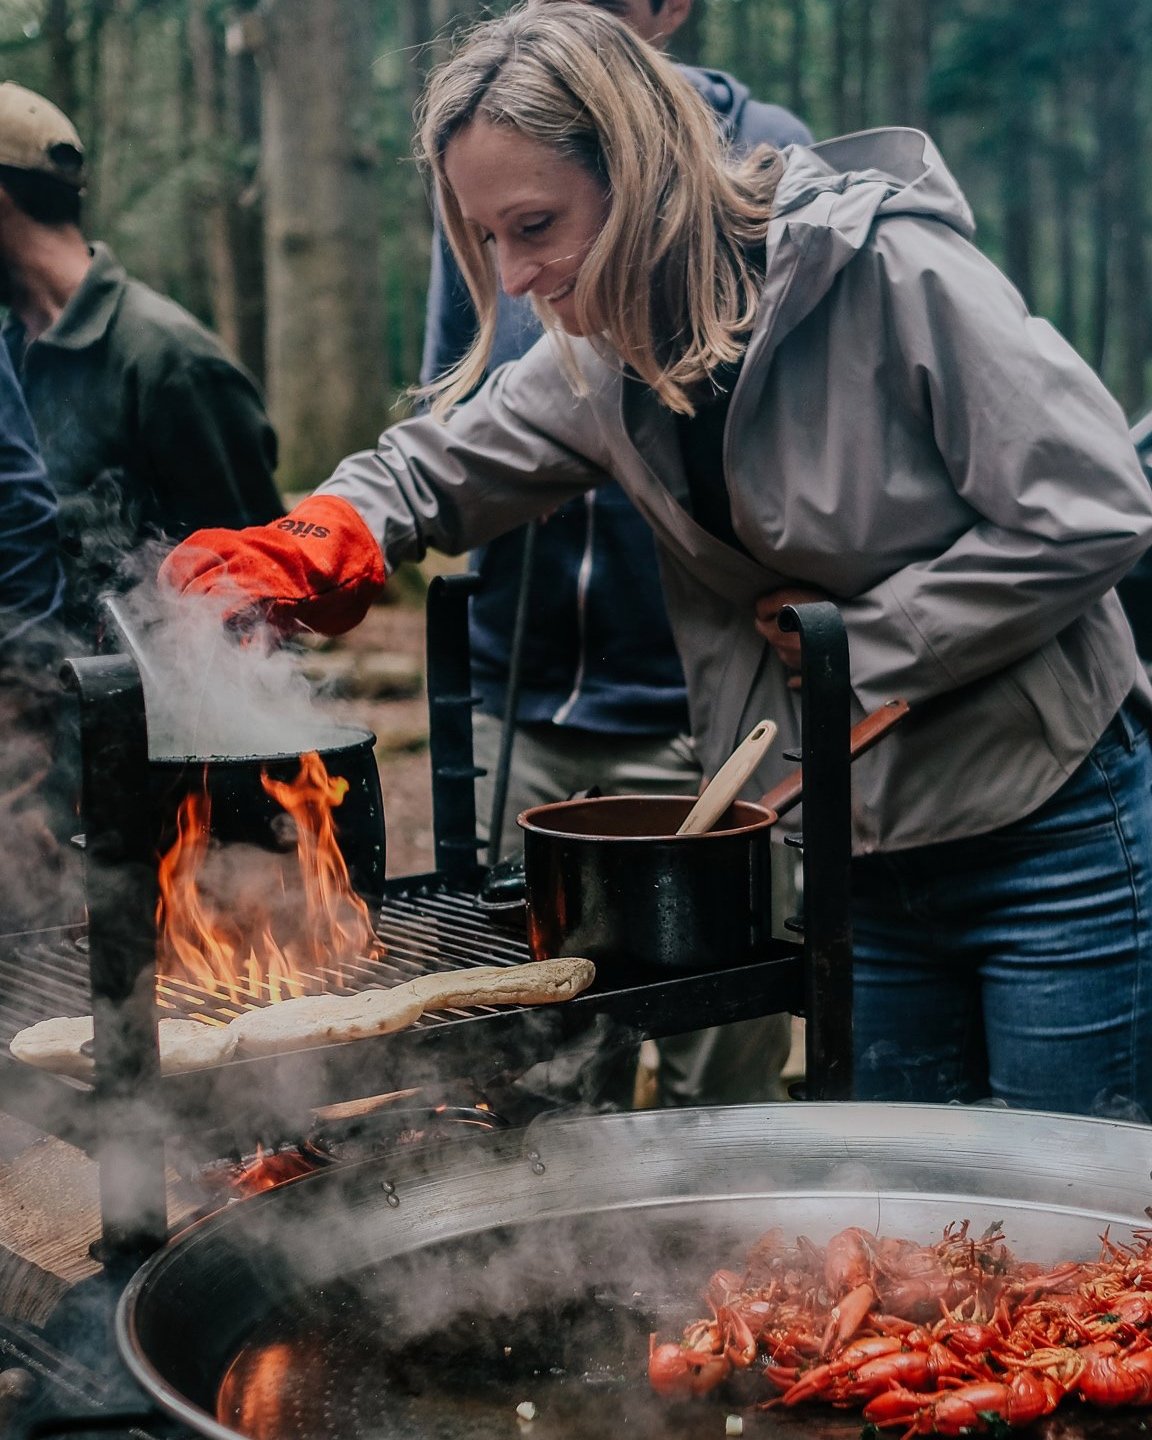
(243, 811)
(609, 878)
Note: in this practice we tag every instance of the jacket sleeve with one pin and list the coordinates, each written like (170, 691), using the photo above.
(1034, 445)
(520, 447)
(31, 578)
(210, 446)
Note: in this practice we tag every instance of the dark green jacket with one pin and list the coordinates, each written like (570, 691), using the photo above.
(147, 428)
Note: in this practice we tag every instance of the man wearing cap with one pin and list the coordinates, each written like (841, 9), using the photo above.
(146, 426)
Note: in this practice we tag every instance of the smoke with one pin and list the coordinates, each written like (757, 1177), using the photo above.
(208, 690)
(40, 870)
(1109, 1104)
(533, 1265)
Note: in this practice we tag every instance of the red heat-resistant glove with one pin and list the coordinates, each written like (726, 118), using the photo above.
(320, 567)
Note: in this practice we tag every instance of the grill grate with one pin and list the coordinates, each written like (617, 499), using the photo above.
(430, 928)
(426, 924)
(42, 974)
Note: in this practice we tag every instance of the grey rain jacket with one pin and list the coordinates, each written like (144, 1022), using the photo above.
(903, 436)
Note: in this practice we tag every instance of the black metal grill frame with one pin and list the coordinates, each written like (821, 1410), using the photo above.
(427, 922)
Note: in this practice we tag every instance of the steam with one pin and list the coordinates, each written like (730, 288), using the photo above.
(207, 691)
(533, 1266)
(40, 871)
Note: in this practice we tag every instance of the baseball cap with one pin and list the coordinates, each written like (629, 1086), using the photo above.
(35, 135)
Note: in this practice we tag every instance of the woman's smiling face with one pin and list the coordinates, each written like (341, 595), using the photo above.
(540, 210)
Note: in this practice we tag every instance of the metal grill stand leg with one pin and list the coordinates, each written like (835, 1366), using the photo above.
(825, 724)
(120, 883)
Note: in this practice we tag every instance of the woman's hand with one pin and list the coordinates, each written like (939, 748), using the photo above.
(318, 568)
(786, 643)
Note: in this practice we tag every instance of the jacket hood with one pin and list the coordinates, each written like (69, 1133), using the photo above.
(876, 172)
(724, 93)
(745, 122)
(829, 198)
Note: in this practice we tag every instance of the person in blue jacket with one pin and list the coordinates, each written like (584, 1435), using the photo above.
(34, 867)
(31, 575)
(601, 698)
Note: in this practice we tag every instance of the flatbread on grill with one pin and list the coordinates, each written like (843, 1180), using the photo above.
(539, 982)
(314, 1019)
(332, 1019)
(57, 1045)
(192, 1045)
(324, 1020)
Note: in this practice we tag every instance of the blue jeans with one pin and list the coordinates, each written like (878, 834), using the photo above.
(1017, 965)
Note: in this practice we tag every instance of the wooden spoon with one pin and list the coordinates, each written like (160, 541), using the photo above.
(729, 780)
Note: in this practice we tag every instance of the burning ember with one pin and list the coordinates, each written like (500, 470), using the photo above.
(271, 1168)
(343, 1134)
(256, 933)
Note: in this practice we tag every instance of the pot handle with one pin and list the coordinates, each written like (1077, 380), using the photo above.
(864, 734)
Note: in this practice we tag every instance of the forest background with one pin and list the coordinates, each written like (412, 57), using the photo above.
(254, 161)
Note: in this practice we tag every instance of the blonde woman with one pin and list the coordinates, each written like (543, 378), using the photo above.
(810, 383)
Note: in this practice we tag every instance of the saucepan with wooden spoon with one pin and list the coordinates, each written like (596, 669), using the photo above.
(643, 882)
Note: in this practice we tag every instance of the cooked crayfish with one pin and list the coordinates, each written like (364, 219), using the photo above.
(706, 1356)
(969, 1409)
(951, 1338)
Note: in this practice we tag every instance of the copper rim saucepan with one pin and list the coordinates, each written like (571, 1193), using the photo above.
(610, 878)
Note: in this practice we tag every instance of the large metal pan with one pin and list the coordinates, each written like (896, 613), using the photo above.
(421, 1296)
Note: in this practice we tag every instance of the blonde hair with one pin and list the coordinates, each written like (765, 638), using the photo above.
(668, 283)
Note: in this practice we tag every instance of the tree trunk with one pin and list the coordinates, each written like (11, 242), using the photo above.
(1016, 190)
(421, 32)
(927, 116)
(246, 207)
(841, 52)
(1130, 138)
(228, 216)
(61, 57)
(111, 62)
(798, 58)
(902, 98)
(867, 63)
(1064, 186)
(322, 227)
(210, 263)
(1103, 214)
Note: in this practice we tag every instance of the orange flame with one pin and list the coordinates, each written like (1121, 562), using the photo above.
(269, 939)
